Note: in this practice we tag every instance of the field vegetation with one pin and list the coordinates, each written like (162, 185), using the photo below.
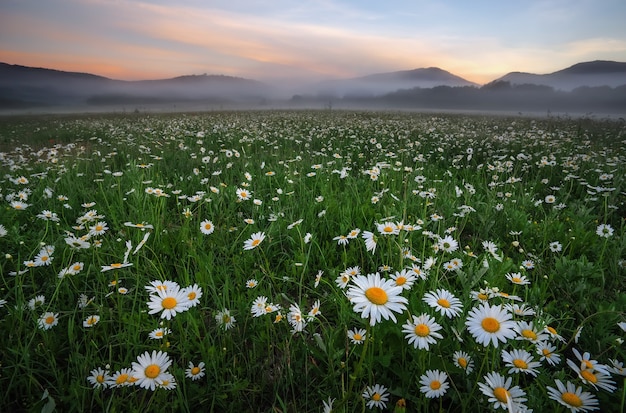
(309, 261)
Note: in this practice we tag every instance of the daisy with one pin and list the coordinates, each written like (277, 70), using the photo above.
(354, 233)
(604, 230)
(434, 383)
(499, 390)
(586, 362)
(75, 268)
(617, 367)
(157, 285)
(387, 228)
(91, 321)
(572, 397)
(490, 324)
(463, 361)
(376, 396)
(19, 205)
(375, 297)
(448, 244)
(422, 331)
(315, 309)
(195, 372)
(553, 334)
(597, 378)
(225, 319)
(3, 231)
(555, 246)
(444, 302)
(258, 306)
(206, 227)
(295, 318)
(115, 266)
(527, 331)
(520, 361)
(100, 228)
(167, 381)
(243, 194)
(370, 241)
(120, 378)
(405, 278)
(546, 352)
(159, 333)
(519, 310)
(170, 302)
(327, 405)
(528, 264)
(194, 293)
(48, 320)
(150, 369)
(142, 225)
(341, 240)
(357, 336)
(254, 241)
(517, 278)
(418, 272)
(98, 377)
(43, 258)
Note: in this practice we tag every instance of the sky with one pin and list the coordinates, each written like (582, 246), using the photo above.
(281, 40)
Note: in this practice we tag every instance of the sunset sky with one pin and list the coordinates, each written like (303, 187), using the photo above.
(309, 39)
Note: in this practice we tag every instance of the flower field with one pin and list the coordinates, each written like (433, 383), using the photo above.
(312, 261)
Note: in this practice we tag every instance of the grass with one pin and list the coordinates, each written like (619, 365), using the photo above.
(467, 200)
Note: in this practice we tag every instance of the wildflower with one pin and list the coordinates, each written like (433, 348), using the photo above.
(206, 227)
(546, 352)
(517, 278)
(115, 266)
(243, 194)
(98, 378)
(434, 383)
(318, 278)
(357, 336)
(327, 405)
(354, 233)
(376, 396)
(370, 241)
(604, 230)
(77, 243)
(295, 318)
(47, 215)
(258, 306)
(159, 333)
(315, 309)
(572, 397)
(598, 378)
(195, 372)
(490, 324)
(194, 293)
(43, 258)
(586, 362)
(463, 361)
(142, 225)
(342, 280)
(527, 331)
(151, 369)
(448, 244)
(528, 264)
(617, 367)
(100, 228)
(499, 390)
(388, 228)
(75, 268)
(170, 302)
(341, 240)
(404, 278)
(225, 319)
(91, 321)
(553, 334)
(555, 246)
(374, 297)
(48, 320)
(307, 237)
(19, 205)
(520, 361)
(444, 302)
(422, 331)
(418, 272)
(156, 286)
(519, 310)
(254, 241)
(251, 283)
(3, 231)
(120, 378)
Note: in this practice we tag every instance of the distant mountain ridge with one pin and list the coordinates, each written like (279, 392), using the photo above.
(592, 74)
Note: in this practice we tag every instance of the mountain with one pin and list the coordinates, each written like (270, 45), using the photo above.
(383, 83)
(24, 86)
(596, 73)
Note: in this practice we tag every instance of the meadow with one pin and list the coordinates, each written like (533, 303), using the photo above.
(311, 261)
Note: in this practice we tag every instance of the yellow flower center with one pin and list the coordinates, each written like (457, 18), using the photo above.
(192, 295)
(50, 320)
(422, 330)
(501, 394)
(99, 227)
(122, 378)
(443, 303)
(208, 226)
(388, 229)
(44, 258)
(195, 370)
(92, 321)
(152, 371)
(490, 324)
(116, 265)
(516, 280)
(520, 364)
(589, 376)
(256, 242)
(551, 330)
(587, 364)
(482, 296)
(400, 280)
(244, 194)
(76, 268)
(546, 352)
(376, 295)
(100, 379)
(435, 384)
(169, 302)
(357, 337)
(530, 334)
(462, 362)
(159, 334)
(572, 399)
(376, 397)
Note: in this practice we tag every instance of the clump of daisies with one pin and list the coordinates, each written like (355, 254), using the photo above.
(168, 298)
